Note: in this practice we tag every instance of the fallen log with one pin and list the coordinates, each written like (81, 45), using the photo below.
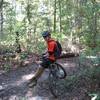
(68, 55)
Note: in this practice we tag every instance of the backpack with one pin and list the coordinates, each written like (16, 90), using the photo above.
(58, 50)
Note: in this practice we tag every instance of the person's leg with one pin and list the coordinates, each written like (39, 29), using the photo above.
(38, 73)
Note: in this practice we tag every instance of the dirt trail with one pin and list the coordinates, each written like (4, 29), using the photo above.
(13, 84)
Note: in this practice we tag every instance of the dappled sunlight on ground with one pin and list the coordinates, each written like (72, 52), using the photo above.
(22, 80)
(17, 88)
(15, 97)
(65, 64)
(29, 93)
(27, 77)
(38, 98)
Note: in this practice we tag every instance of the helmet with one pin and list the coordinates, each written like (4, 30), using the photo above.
(46, 33)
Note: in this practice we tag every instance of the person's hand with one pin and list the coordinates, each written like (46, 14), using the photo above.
(45, 54)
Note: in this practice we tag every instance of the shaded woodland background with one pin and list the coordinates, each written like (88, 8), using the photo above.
(75, 23)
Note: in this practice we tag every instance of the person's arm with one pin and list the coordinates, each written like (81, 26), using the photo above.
(45, 53)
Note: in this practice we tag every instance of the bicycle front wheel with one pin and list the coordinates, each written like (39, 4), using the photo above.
(60, 71)
(56, 85)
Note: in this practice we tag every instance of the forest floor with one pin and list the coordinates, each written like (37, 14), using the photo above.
(13, 84)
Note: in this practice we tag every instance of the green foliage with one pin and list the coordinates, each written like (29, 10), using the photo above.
(71, 82)
(58, 36)
(87, 74)
(7, 67)
(75, 19)
(41, 47)
(78, 19)
(23, 55)
(83, 79)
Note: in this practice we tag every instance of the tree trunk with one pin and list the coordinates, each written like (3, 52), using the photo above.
(55, 16)
(60, 15)
(94, 27)
(28, 12)
(1, 17)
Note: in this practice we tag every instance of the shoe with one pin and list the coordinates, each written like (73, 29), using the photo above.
(32, 83)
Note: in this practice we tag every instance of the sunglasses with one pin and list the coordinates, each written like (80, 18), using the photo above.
(44, 36)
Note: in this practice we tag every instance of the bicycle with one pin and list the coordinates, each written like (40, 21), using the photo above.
(56, 74)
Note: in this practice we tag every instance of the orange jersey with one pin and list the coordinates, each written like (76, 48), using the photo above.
(51, 47)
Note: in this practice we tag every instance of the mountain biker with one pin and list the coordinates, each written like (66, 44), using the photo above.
(48, 58)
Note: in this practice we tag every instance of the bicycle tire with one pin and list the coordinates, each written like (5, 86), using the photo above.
(60, 72)
(55, 84)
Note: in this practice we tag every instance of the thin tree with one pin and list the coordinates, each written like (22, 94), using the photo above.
(60, 12)
(94, 25)
(1, 16)
(55, 16)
